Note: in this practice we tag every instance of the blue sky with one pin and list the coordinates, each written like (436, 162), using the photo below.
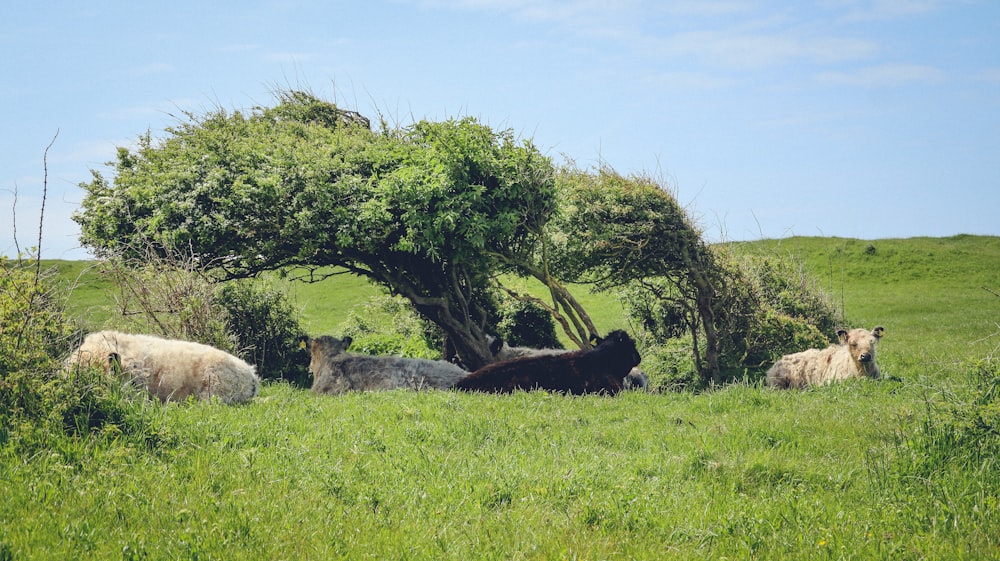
(867, 119)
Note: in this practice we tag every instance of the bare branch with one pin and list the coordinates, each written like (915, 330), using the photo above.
(13, 215)
(41, 214)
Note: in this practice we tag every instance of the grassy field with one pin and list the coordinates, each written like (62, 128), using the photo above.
(741, 472)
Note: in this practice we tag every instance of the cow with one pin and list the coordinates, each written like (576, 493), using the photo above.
(636, 379)
(597, 370)
(169, 369)
(854, 357)
(336, 371)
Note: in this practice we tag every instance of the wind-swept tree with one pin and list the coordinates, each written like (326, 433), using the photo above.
(431, 211)
(616, 230)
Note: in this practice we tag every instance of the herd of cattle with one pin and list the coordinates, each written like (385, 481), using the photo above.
(173, 370)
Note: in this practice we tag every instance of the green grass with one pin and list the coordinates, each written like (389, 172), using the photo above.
(437, 475)
(741, 472)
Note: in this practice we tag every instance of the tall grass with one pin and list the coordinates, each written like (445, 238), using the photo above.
(901, 469)
(437, 475)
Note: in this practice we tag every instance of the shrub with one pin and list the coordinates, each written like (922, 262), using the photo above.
(764, 307)
(670, 366)
(176, 298)
(171, 297)
(526, 324)
(33, 326)
(266, 328)
(33, 332)
(770, 306)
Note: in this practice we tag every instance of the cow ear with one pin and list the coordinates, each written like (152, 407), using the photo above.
(842, 335)
(878, 332)
(115, 363)
(495, 345)
(595, 339)
(347, 341)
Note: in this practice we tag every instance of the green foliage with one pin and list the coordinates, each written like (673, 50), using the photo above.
(429, 211)
(389, 326)
(266, 328)
(619, 231)
(613, 228)
(171, 297)
(33, 333)
(779, 334)
(670, 366)
(526, 324)
(764, 306)
(89, 402)
(739, 472)
(33, 327)
(176, 298)
(771, 306)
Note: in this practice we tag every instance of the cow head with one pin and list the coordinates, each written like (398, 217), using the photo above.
(323, 348)
(861, 344)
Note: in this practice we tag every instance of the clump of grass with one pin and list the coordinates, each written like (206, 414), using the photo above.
(940, 476)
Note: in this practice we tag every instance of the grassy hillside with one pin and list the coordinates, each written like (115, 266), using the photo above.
(860, 470)
(936, 297)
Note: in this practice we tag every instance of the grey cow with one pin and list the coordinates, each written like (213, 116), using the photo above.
(336, 371)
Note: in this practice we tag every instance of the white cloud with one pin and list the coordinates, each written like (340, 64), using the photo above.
(239, 48)
(289, 58)
(588, 16)
(164, 108)
(989, 75)
(876, 10)
(153, 68)
(706, 7)
(882, 76)
(750, 51)
(725, 33)
(91, 152)
(689, 81)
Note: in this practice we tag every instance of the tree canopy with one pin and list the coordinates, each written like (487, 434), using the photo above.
(430, 211)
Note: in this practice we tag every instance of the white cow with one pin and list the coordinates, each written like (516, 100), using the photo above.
(169, 369)
(854, 357)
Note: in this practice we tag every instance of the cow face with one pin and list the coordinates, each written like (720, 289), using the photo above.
(861, 344)
(324, 348)
(623, 344)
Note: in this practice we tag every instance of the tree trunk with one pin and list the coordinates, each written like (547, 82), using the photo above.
(468, 340)
(704, 297)
(582, 326)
